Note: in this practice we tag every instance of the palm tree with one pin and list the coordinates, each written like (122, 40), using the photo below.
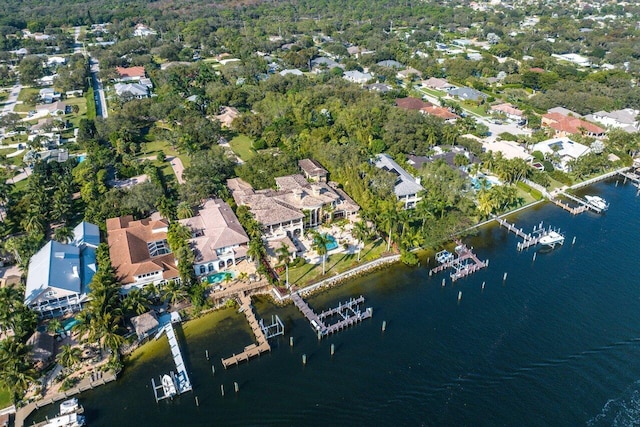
(54, 326)
(388, 218)
(256, 250)
(184, 210)
(69, 355)
(320, 242)
(63, 234)
(243, 276)
(16, 371)
(361, 232)
(284, 257)
(136, 302)
(173, 292)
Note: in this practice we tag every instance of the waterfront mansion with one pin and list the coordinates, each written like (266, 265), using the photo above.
(295, 204)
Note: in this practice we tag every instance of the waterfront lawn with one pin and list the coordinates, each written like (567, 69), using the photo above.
(242, 145)
(5, 397)
(308, 274)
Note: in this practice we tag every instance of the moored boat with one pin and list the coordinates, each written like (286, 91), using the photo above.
(598, 202)
(552, 239)
(71, 406)
(168, 386)
(68, 420)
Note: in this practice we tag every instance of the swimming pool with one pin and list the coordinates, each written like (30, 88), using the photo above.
(489, 181)
(81, 158)
(220, 277)
(331, 242)
(69, 323)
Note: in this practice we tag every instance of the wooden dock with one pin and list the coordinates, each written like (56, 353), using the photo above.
(252, 350)
(583, 203)
(181, 378)
(632, 176)
(572, 210)
(349, 314)
(464, 264)
(528, 239)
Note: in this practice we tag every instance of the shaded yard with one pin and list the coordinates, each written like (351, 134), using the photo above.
(241, 145)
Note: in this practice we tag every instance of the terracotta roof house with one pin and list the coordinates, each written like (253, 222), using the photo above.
(295, 204)
(410, 103)
(145, 324)
(227, 116)
(440, 112)
(313, 170)
(406, 187)
(507, 109)
(567, 125)
(139, 251)
(59, 274)
(217, 238)
(130, 73)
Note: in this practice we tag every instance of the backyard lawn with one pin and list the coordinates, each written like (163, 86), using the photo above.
(337, 263)
(5, 397)
(241, 145)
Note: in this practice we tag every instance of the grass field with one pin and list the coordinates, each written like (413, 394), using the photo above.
(309, 273)
(153, 148)
(5, 397)
(241, 145)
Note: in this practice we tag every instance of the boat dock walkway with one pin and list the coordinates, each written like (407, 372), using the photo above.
(572, 210)
(633, 176)
(528, 239)
(349, 313)
(582, 202)
(183, 384)
(466, 263)
(251, 350)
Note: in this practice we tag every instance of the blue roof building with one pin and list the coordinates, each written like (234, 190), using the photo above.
(59, 274)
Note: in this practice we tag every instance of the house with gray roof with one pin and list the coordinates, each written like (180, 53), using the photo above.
(407, 188)
(468, 94)
(626, 119)
(323, 62)
(133, 90)
(390, 63)
(59, 273)
(217, 239)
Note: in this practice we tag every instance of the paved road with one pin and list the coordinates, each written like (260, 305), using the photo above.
(98, 90)
(12, 99)
(178, 168)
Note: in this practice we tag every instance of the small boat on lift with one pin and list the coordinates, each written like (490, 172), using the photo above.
(598, 202)
(168, 386)
(552, 239)
(444, 257)
(68, 420)
(71, 406)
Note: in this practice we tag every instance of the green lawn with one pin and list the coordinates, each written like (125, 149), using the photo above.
(5, 398)
(309, 273)
(474, 108)
(152, 148)
(433, 92)
(241, 145)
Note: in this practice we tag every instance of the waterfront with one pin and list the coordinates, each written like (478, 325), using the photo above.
(550, 346)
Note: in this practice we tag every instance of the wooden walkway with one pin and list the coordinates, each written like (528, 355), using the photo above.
(349, 313)
(251, 350)
(528, 239)
(633, 176)
(582, 203)
(464, 264)
(572, 210)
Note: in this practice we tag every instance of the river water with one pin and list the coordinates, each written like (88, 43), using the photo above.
(557, 343)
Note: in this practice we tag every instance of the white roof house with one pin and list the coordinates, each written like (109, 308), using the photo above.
(406, 187)
(563, 150)
(59, 274)
(625, 119)
(356, 76)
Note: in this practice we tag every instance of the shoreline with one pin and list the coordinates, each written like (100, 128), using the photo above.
(322, 285)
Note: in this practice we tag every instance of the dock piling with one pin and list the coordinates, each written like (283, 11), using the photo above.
(504, 277)
(483, 286)
(459, 295)
(197, 403)
(290, 341)
(213, 370)
(384, 325)
(534, 255)
(574, 241)
(304, 359)
(443, 282)
(333, 349)
(236, 387)
(222, 389)
(206, 352)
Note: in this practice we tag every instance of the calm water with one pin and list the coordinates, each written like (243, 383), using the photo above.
(558, 343)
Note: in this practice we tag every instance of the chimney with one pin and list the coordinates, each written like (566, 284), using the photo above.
(316, 189)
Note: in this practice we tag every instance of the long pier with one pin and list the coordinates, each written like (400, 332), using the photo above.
(349, 313)
(183, 384)
(251, 350)
(464, 264)
(572, 210)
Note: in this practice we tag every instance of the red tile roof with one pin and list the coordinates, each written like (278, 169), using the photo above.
(410, 103)
(441, 112)
(570, 125)
(130, 72)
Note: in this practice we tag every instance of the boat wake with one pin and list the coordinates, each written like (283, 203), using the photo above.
(622, 411)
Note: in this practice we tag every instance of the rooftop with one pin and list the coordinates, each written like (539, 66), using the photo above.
(405, 184)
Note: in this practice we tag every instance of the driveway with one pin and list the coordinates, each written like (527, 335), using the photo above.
(178, 168)
(12, 99)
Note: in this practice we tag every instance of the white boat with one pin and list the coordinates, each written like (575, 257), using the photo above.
(552, 239)
(68, 420)
(168, 386)
(71, 406)
(444, 257)
(598, 202)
